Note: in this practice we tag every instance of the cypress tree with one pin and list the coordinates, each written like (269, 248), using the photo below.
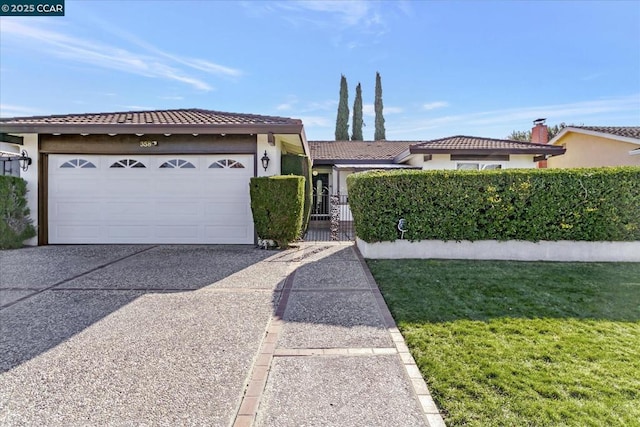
(380, 134)
(356, 134)
(342, 121)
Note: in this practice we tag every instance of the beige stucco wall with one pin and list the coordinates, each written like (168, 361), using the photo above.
(593, 151)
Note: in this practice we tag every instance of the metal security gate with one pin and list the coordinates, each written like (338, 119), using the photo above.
(331, 218)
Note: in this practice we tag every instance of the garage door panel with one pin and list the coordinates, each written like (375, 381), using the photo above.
(121, 210)
(129, 231)
(195, 204)
(76, 210)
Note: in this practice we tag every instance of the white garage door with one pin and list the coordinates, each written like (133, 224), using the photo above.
(150, 199)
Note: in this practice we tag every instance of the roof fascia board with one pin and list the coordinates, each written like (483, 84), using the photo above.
(489, 151)
(352, 162)
(569, 129)
(402, 157)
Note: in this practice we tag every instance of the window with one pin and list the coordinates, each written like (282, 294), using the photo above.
(478, 166)
(127, 163)
(226, 163)
(78, 164)
(177, 164)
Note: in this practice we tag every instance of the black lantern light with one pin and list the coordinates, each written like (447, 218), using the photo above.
(265, 160)
(25, 160)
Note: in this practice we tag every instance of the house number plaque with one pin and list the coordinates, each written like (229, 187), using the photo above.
(147, 144)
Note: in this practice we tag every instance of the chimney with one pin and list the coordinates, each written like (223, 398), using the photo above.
(540, 135)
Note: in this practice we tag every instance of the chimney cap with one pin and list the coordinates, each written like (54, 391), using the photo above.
(539, 121)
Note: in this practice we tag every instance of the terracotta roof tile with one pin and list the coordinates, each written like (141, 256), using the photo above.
(357, 150)
(624, 131)
(461, 143)
(192, 116)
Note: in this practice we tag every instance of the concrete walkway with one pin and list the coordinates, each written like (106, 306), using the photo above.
(201, 335)
(332, 355)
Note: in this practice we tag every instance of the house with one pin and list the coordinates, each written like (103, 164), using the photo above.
(333, 161)
(594, 146)
(167, 176)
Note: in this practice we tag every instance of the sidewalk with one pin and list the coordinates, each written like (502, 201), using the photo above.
(332, 355)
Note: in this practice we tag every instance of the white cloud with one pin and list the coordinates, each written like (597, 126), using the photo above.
(316, 121)
(434, 105)
(151, 62)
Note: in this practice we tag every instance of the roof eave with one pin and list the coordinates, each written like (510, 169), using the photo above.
(125, 128)
(569, 129)
(352, 161)
(488, 151)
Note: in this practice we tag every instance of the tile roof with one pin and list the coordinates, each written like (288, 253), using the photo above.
(473, 144)
(191, 116)
(331, 151)
(624, 131)
(189, 120)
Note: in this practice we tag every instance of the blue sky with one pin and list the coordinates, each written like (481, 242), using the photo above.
(474, 67)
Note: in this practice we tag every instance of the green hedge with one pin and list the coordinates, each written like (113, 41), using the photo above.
(15, 224)
(277, 203)
(600, 204)
(296, 164)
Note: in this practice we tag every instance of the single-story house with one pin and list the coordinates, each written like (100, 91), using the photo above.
(333, 161)
(595, 146)
(168, 176)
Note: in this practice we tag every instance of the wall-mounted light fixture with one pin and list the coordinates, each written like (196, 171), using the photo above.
(25, 160)
(265, 160)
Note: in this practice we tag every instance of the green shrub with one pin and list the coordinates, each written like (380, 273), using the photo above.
(600, 204)
(295, 164)
(277, 204)
(15, 224)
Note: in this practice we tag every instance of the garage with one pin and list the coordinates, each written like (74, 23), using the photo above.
(149, 199)
(176, 176)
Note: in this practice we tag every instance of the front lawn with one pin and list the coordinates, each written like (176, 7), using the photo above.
(505, 343)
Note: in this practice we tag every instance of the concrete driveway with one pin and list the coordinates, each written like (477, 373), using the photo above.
(124, 335)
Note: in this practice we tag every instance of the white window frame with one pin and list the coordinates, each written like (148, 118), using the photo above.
(481, 165)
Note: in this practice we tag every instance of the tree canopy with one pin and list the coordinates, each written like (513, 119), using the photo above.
(380, 133)
(342, 120)
(358, 123)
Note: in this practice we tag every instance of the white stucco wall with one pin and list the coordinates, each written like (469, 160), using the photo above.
(273, 152)
(444, 162)
(516, 250)
(30, 142)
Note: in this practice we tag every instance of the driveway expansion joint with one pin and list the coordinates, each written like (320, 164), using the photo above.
(107, 264)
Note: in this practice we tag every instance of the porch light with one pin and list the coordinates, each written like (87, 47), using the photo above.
(25, 160)
(265, 160)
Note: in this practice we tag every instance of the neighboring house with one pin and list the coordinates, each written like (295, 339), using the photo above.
(169, 176)
(594, 146)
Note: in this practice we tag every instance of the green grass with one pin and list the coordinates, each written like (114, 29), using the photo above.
(521, 343)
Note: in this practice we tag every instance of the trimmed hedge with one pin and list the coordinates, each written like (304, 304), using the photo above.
(298, 164)
(277, 204)
(15, 224)
(599, 204)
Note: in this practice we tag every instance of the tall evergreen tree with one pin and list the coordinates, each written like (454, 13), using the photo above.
(342, 121)
(356, 133)
(380, 134)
